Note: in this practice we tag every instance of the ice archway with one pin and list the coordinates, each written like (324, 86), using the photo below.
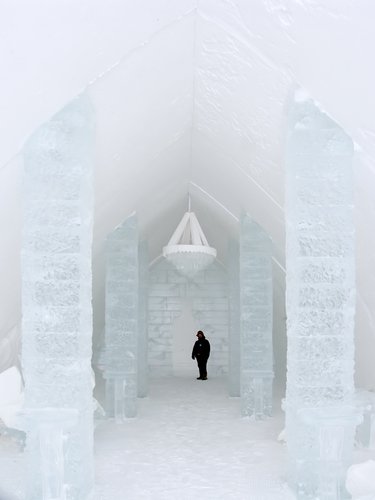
(189, 96)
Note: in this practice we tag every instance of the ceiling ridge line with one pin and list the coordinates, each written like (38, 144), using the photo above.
(206, 193)
(279, 264)
(10, 160)
(197, 186)
(137, 48)
(255, 49)
(281, 208)
(193, 86)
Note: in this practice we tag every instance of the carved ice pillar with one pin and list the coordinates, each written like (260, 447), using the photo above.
(320, 290)
(234, 347)
(56, 306)
(121, 320)
(256, 320)
(142, 320)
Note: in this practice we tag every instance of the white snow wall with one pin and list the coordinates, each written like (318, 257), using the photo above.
(56, 305)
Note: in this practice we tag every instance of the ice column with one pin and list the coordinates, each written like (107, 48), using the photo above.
(234, 346)
(56, 306)
(121, 320)
(256, 320)
(142, 320)
(320, 416)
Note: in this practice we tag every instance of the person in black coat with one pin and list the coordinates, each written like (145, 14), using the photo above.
(201, 352)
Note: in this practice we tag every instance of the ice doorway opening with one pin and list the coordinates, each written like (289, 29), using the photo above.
(177, 308)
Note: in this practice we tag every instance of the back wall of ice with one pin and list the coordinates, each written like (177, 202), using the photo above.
(177, 309)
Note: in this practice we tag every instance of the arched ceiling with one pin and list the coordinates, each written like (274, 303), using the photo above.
(179, 126)
(189, 96)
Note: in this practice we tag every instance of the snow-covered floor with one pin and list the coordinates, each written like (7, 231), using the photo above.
(188, 441)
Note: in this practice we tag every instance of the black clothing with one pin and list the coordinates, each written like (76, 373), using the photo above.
(202, 365)
(201, 352)
(201, 348)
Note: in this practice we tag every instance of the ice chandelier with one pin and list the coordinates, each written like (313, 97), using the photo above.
(188, 249)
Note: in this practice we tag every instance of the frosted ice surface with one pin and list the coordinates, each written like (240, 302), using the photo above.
(142, 320)
(320, 294)
(365, 402)
(234, 346)
(56, 301)
(121, 321)
(256, 319)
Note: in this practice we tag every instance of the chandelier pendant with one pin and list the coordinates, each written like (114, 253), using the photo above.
(188, 249)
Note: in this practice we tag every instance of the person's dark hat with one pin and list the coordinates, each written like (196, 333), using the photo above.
(200, 332)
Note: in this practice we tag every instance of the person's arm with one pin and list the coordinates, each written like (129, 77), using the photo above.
(208, 349)
(193, 352)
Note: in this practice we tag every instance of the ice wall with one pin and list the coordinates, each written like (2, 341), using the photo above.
(121, 321)
(320, 302)
(256, 319)
(56, 305)
(207, 294)
(142, 319)
(234, 342)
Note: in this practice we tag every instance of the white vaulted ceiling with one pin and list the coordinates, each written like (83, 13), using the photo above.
(189, 96)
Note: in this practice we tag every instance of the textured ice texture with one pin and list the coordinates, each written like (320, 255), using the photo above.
(256, 320)
(56, 301)
(142, 320)
(365, 435)
(121, 320)
(234, 344)
(208, 296)
(320, 285)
